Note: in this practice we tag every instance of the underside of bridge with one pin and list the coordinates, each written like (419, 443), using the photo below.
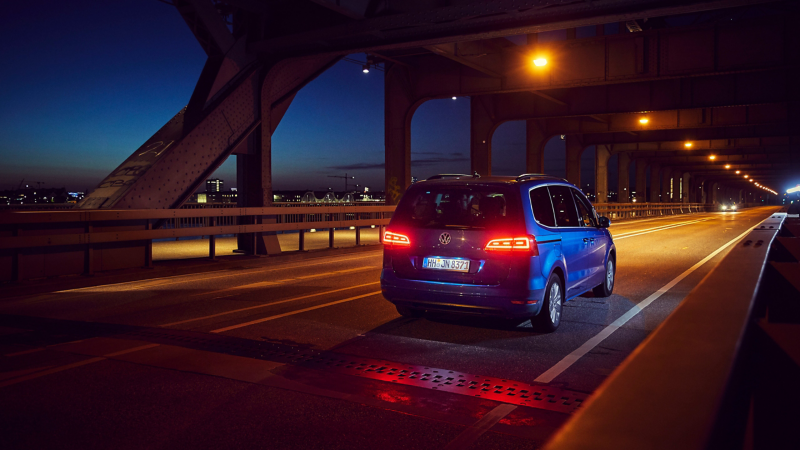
(695, 93)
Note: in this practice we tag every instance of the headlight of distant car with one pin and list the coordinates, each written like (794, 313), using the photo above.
(733, 207)
(724, 207)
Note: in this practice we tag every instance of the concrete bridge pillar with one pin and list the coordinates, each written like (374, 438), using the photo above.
(687, 187)
(535, 140)
(655, 183)
(574, 151)
(666, 175)
(624, 177)
(399, 107)
(713, 196)
(641, 180)
(601, 156)
(482, 126)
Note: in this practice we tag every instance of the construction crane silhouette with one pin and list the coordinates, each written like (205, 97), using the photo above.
(37, 183)
(346, 178)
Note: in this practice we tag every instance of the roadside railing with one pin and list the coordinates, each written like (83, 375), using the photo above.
(616, 211)
(69, 242)
(716, 374)
(33, 239)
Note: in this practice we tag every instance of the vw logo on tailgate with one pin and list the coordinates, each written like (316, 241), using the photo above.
(444, 238)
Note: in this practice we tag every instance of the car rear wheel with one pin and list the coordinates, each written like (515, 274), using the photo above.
(405, 311)
(549, 316)
(605, 288)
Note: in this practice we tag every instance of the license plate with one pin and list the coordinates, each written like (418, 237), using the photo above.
(456, 265)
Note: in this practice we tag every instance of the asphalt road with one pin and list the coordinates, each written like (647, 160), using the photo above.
(307, 354)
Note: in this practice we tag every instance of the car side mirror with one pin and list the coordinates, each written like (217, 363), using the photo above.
(604, 222)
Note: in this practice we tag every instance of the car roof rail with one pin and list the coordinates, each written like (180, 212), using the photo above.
(443, 176)
(531, 176)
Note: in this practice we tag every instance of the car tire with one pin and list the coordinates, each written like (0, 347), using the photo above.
(405, 311)
(549, 317)
(605, 288)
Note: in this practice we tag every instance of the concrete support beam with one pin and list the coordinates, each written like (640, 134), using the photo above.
(535, 140)
(574, 151)
(778, 130)
(666, 188)
(399, 106)
(655, 183)
(687, 186)
(641, 180)
(482, 126)
(624, 178)
(602, 154)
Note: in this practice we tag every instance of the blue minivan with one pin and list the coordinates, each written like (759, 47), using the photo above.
(511, 247)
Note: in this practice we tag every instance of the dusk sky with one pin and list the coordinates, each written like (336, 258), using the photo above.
(86, 82)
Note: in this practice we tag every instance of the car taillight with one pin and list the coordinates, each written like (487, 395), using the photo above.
(392, 239)
(517, 244)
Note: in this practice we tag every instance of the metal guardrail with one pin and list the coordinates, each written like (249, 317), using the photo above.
(45, 243)
(689, 384)
(37, 237)
(616, 211)
(207, 222)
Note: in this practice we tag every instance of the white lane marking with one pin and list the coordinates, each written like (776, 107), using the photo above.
(203, 276)
(657, 229)
(293, 299)
(261, 284)
(587, 346)
(278, 316)
(73, 365)
(476, 430)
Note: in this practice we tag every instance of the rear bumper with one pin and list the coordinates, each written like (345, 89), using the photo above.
(460, 298)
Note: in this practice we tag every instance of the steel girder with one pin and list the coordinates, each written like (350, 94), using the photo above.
(404, 24)
(174, 162)
(751, 145)
(741, 47)
(780, 130)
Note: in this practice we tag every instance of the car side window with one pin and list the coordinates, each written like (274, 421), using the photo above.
(542, 208)
(585, 213)
(564, 206)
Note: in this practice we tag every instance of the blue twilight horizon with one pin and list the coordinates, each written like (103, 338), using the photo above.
(89, 81)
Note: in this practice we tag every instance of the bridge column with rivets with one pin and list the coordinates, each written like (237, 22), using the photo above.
(601, 157)
(482, 126)
(399, 107)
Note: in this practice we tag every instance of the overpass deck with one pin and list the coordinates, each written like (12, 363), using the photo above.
(257, 353)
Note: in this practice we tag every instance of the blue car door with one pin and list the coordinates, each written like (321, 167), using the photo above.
(573, 245)
(597, 241)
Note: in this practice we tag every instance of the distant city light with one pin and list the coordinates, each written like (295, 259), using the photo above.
(712, 157)
(365, 68)
(539, 62)
(738, 172)
(644, 120)
(727, 166)
(454, 98)
(688, 145)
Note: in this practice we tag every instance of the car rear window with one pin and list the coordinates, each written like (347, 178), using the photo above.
(542, 208)
(482, 207)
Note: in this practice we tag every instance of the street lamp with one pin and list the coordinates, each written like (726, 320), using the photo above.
(540, 62)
